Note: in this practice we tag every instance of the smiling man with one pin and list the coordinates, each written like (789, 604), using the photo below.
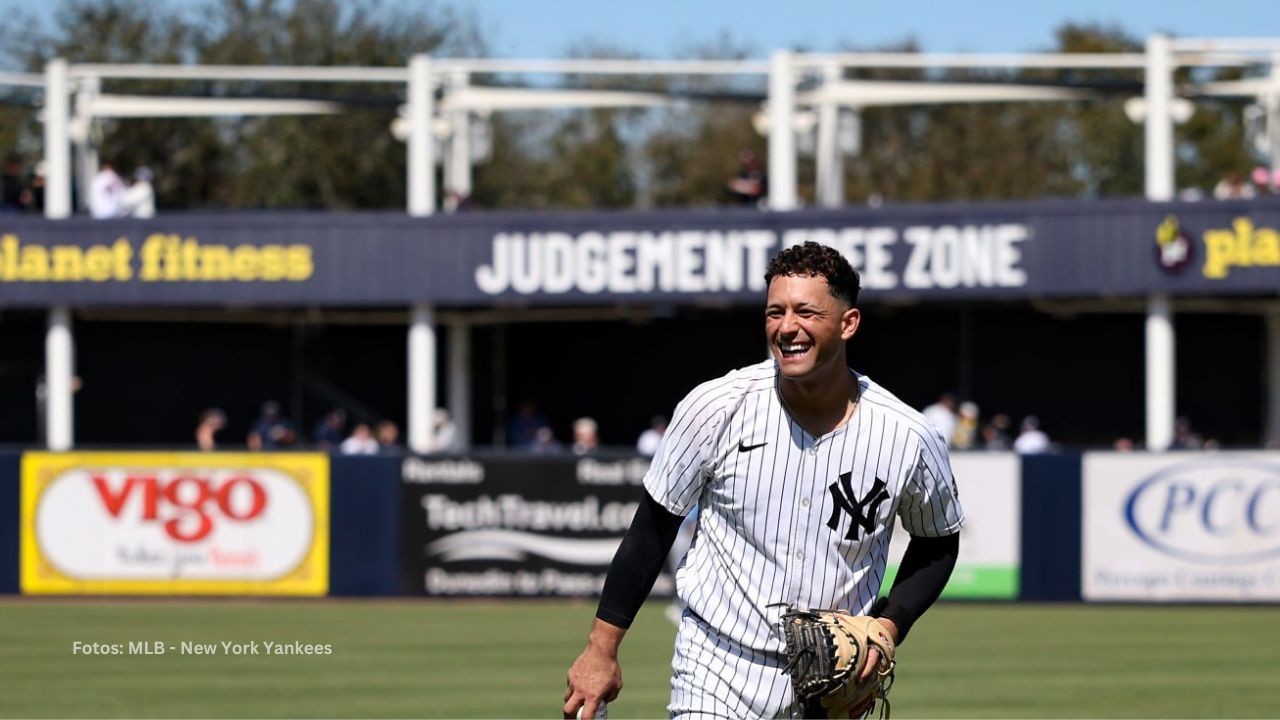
(799, 465)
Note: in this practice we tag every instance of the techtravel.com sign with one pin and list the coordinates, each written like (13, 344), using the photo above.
(917, 257)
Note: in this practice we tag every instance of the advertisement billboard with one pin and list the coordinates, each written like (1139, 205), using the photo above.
(990, 542)
(504, 526)
(175, 523)
(1181, 527)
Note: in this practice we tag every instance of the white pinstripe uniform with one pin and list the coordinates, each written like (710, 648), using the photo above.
(777, 524)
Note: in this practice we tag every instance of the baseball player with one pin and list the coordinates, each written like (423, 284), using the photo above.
(798, 466)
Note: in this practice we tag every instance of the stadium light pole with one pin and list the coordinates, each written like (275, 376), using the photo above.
(422, 378)
(421, 162)
(1161, 342)
(59, 377)
(782, 139)
(57, 141)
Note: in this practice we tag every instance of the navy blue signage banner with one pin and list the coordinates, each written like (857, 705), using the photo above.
(509, 526)
(926, 252)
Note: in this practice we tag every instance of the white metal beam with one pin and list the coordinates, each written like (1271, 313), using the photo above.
(476, 99)
(422, 379)
(972, 60)
(22, 79)
(421, 165)
(57, 141)
(606, 66)
(1249, 87)
(1159, 122)
(59, 378)
(140, 106)
(457, 161)
(242, 72)
(460, 379)
(870, 93)
(782, 137)
(1161, 373)
(86, 160)
(828, 158)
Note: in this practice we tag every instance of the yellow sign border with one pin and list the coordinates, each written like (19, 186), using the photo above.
(310, 470)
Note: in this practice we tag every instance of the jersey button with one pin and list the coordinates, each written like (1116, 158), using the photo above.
(799, 554)
(804, 502)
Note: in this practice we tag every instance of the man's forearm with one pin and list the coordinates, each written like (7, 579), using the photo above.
(924, 572)
(637, 563)
(605, 637)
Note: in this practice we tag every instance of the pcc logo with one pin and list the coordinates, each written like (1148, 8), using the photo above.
(1218, 511)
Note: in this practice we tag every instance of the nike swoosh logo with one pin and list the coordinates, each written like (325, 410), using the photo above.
(749, 448)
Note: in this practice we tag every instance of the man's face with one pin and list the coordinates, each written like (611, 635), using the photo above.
(805, 325)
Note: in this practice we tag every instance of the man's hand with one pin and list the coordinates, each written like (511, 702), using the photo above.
(595, 676)
(873, 655)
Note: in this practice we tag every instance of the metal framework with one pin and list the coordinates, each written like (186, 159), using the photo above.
(442, 101)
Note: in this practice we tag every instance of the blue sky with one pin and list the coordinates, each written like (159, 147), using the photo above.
(662, 28)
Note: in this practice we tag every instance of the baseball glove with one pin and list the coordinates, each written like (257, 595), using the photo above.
(827, 652)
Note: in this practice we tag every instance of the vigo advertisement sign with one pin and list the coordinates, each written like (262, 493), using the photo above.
(1202, 526)
(989, 566)
(508, 526)
(180, 523)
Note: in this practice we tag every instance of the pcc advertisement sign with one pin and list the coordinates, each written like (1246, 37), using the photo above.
(1181, 526)
(506, 526)
(990, 555)
(175, 523)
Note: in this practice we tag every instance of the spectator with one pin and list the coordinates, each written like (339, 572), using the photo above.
(1233, 187)
(1184, 438)
(444, 433)
(1031, 440)
(586, 438)
(212, 421)
(749, 184)
(329, 431)
(271, 431)
(33, 194)
(1124, 445)
(523, 429)
(942, 416)
(139, 199)
(106, 193)
(387, 434)
(1264, 181)
(995, 434)
(361, 442)
(545, 442)
(11, 185)
(649, 440)
(966, 433)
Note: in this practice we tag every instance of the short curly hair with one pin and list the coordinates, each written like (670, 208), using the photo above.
(816, 260)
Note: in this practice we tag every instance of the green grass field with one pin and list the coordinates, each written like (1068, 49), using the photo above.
(495, 659)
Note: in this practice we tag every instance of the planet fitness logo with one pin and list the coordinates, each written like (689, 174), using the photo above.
(1174, 250)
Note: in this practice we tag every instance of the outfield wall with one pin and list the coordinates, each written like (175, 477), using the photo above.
(1139, 527)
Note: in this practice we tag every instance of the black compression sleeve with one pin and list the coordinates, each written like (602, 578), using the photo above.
(924, 572)
(637, 563)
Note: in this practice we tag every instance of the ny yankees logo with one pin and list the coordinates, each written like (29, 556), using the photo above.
(869, 504)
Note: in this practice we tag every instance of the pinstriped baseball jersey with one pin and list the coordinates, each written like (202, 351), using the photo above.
(786, 517)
